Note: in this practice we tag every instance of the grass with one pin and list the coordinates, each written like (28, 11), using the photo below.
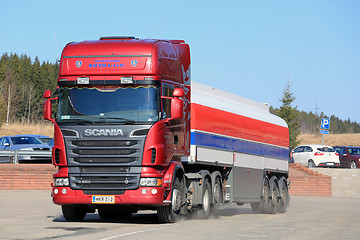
(347, 139)
(16, 128)
(47, 129)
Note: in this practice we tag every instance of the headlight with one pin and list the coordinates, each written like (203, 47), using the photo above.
(150, 182)
(61, 182)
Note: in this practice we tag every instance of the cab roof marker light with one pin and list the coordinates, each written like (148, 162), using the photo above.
(127, 80)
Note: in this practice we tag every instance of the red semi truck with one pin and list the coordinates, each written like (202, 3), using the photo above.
(133, 132)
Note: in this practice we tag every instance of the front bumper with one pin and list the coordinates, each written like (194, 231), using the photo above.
(145, 196)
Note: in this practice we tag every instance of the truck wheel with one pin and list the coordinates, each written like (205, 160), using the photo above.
(218, 197)
(311, 164)
(353, 165)
(263, 205)
(171, 213)
(204, 212)
(73, 213)
(284, 195)
(274, 193)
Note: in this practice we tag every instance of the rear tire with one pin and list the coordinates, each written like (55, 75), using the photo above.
(284, 195)
(204, 212)
(73, 213)
(274, 193)
(264, 204)
(353, 165)
(217, 197)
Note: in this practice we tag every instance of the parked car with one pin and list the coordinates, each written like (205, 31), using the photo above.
(41, 151)
(316, 156)
(349, 156)
(43, 138)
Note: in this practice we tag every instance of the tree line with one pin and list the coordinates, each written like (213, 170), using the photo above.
(310, 122)
(22, 83)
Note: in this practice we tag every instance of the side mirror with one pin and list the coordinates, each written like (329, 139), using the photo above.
(47, 94)
(47, 107)
(177, 108)
(178, 92)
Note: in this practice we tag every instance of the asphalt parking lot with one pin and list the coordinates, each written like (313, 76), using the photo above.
(32, 215)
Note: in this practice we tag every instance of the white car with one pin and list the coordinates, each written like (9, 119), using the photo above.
(316, 156)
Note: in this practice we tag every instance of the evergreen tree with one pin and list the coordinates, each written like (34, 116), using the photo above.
(290, 115)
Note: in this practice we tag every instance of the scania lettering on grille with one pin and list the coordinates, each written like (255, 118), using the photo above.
(103, 132)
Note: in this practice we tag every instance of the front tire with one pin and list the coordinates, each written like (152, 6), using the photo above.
(353, 165)
(311, 164)
(73, 213)
(171, 213)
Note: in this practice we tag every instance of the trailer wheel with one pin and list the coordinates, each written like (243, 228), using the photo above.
(263, 205)
(204, 212)
(218, 197)
(274, 196)
(284, 195)
(171, 213)
(73, 213)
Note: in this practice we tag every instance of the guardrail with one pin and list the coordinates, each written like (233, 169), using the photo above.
(14, 156)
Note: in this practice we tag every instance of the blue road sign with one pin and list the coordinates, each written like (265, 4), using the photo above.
(325, 123)
(324, 131)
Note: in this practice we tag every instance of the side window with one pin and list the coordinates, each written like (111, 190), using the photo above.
(6, 140)
(167, 91)
(338, 150)
(308, 149)
(299, 149)
(343, 151)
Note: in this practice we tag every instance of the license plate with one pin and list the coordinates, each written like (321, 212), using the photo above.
(330, 163)
(103, 199)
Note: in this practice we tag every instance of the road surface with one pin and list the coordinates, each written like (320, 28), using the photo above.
(31, 215)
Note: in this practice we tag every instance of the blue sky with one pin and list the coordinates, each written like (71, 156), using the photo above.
(250, 48)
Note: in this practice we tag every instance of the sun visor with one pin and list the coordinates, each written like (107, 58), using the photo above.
(103, 65)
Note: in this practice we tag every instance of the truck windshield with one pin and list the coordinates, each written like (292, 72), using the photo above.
(132, 104)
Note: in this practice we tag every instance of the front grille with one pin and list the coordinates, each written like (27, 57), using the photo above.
(104, 160)
(92, 181)
(106, 151)
(99, 164)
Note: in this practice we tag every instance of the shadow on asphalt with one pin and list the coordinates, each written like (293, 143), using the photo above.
(150, 217)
